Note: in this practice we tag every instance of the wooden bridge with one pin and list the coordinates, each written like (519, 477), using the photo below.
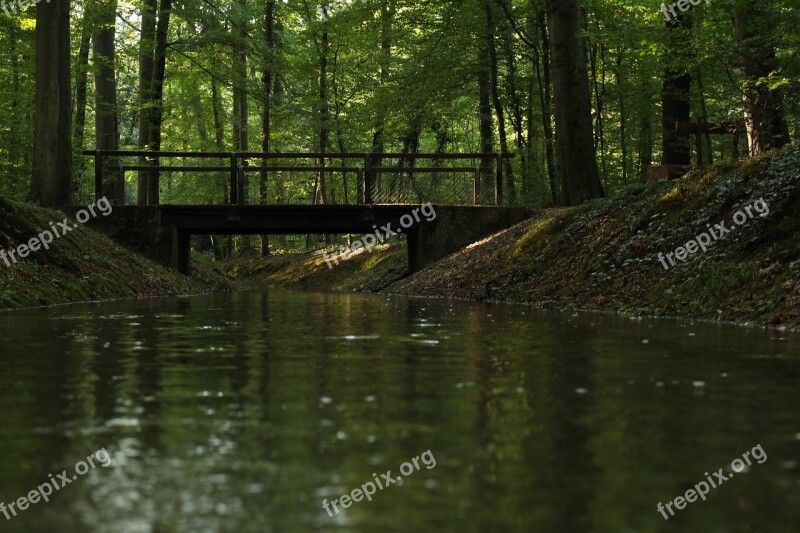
(370, 194)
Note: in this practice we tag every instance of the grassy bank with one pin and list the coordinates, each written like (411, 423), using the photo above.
(604, 255)
(81, 266)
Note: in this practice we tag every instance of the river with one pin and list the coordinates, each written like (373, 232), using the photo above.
(253, 410)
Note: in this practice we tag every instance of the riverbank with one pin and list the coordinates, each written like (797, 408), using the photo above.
(604, 255)
(83, 265)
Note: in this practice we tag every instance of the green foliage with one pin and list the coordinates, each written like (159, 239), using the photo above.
(429, 86)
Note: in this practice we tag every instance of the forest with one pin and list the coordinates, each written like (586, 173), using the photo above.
(585, 94)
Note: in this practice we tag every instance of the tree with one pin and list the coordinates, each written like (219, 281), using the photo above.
(269, 65)
(762, 98)
(675, 94)
(491, 47)
(157, 103)
(82, 78)
(485, 120)
(52, 166)
(146, 69)
(105, 91)
(577, 165)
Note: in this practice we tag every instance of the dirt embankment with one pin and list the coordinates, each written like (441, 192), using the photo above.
(605, 255)
(81, 266)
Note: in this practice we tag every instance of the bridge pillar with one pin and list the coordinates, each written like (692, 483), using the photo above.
(181, 249)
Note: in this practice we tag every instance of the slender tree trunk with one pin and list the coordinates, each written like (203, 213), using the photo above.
(763, 105)
(645, 127)
(219, 134)
(266, 80)
(599, 93)
(338, 107)
(106, 130)
(704, 117)
(546, 97)
(485, 186)
(623, 140)
(575, 150)
(13, 151)
(202, 131)
(516, 109)
(219, 138)
(82, 79)
(491, 46)
(240, 110)
(324, 119)
(157, 92)
(52, 148)
(146, 69)
(387, 16)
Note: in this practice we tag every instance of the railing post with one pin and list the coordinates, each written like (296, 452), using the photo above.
(234, 189)
(359, 186)
(476, 187)
(498, 188)
(98, 174)
(121, 185)
(368, 178)
(240, 183)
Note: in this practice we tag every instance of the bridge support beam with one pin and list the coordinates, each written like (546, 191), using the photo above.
(181, 255)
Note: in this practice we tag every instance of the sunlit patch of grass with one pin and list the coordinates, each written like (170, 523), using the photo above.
(672, 194)
(542, 232)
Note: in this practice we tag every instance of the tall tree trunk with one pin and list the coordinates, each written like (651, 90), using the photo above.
(146, 69)
(219, 135)
(675, 96)
(269, 65)
(516, 109)
(644, 145)
(387, 16)
(13, 151)
(52, 145)
(157, 106)
(543, 78)
(599, 94)
(324, 119)
(338, 107)
(485, 184)
(575, 150)
(106, 130)
(82, 78)
(219, 142)
(763, 105)
(199, 116)
(623, 140)
(704, 116)
(491, 46)
(240, 109)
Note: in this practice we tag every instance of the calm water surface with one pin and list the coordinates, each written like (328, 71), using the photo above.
(244, 412)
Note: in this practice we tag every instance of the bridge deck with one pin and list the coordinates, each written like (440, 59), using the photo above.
(292, 219)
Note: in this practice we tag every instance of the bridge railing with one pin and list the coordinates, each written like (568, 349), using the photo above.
(385, 178)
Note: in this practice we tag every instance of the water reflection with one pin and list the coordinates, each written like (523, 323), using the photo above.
(243, 412)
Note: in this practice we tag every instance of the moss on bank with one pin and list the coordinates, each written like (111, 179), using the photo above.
(81, 266)
(604, 255)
